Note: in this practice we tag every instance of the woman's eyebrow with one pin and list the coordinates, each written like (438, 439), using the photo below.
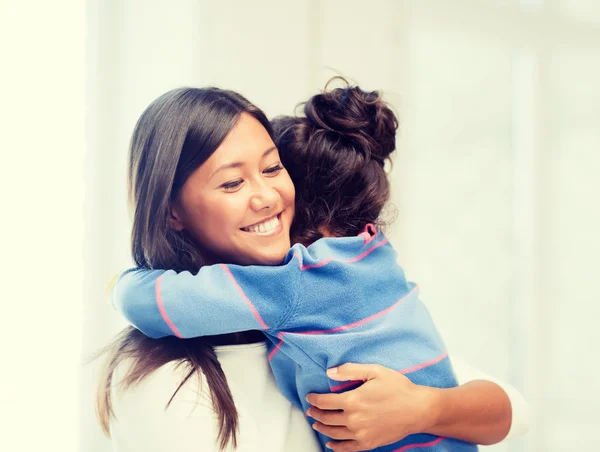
(268, 151)
(239, 164)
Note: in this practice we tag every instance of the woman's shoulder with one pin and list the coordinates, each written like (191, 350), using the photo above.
(163, 380)
(176, 382)
(171, 391)
(148, 417)
(143, 421)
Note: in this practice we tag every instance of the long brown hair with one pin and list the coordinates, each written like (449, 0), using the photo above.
(176, 134)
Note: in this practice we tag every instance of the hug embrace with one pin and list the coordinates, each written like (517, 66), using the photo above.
(266, 298)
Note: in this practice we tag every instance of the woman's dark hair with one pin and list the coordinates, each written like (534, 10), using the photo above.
(335, 154)
(176, 134)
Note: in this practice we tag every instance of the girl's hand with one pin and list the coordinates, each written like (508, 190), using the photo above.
(385, 409)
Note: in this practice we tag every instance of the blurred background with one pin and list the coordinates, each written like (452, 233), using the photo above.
(496, 182)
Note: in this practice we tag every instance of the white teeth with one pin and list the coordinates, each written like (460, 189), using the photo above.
(265, 227)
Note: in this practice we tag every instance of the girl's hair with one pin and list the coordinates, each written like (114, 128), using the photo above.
(174, 136)
(335, 154)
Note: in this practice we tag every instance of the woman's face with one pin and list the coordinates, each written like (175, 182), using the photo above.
(239, 204)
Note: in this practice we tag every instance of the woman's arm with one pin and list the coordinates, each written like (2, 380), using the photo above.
(389, 407)
(466, 373)
(478, 412)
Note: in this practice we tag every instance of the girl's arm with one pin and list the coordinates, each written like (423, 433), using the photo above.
(389, 407)
(219, 299)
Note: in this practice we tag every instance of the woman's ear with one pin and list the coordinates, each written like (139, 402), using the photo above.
(175, 221)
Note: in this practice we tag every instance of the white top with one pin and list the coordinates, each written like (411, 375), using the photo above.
(267, 421)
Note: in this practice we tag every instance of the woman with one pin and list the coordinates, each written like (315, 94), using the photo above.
(189, 151)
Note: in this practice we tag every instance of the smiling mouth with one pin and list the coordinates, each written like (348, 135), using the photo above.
(270, 226)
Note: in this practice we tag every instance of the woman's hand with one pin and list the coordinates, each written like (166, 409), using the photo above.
(388, 407)
(385, 409)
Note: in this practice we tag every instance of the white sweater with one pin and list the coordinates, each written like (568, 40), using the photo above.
(267, 421)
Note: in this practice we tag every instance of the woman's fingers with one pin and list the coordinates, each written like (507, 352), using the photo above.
(344, 446)
(333, 432)
(355, 372)
(326, 401)
(327, 417)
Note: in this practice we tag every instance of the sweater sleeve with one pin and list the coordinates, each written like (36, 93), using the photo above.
(219, 299)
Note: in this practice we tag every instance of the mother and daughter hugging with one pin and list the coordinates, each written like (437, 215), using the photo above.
(266, 299)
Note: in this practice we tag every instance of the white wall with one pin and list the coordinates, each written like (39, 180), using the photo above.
(496, 179)
(41, 187)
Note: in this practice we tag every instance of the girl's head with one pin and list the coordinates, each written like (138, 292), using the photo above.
(335, 154)
(206, 184)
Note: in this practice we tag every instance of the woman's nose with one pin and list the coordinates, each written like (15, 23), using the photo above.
(264, 197)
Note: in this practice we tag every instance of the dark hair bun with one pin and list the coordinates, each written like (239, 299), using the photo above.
(362, 121)
(335, 154)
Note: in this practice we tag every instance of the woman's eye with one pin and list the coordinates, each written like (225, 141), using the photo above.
(274, 169)
(232, 185)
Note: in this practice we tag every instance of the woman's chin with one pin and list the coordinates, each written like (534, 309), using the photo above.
(272, 258)
(264, 255)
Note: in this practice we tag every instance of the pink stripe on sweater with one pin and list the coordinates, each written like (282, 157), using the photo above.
(424, 365)
(369, 251)
(323, 263)
(299, 257)
(436, 360)
(363, 321)
(163, 312)
(418, 446)
(275, 350)
(353, 259)
(244, 297)
(344, 385)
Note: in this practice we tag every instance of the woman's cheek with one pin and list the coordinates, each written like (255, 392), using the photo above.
(287, 189)
(234, 209)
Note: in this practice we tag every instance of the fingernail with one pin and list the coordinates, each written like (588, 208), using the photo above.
(307, 412)
(332, 371)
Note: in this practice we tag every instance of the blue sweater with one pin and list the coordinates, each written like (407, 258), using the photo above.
(339, 300)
